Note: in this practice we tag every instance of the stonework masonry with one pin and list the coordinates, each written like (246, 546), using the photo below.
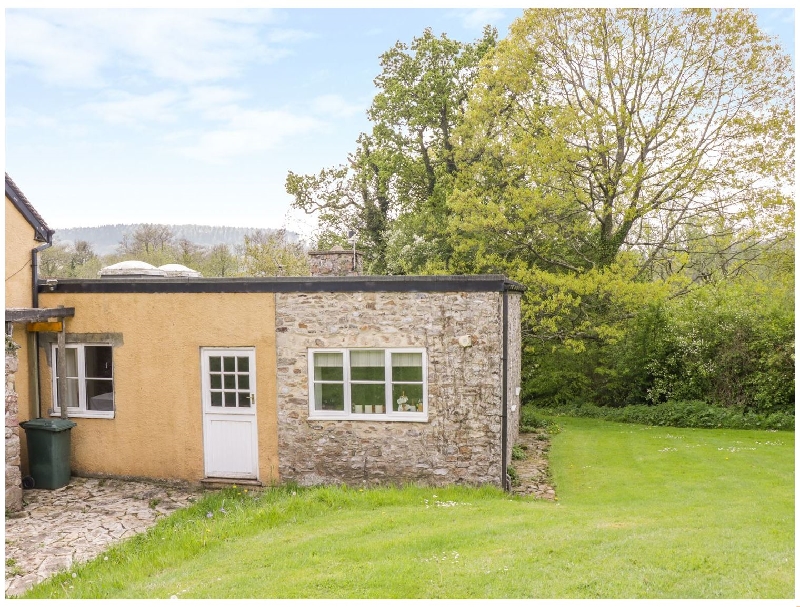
(335, 262)
(514, 378)
(13, 474)
(461, 440)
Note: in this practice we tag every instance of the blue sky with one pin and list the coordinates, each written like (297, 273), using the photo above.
(195, 116)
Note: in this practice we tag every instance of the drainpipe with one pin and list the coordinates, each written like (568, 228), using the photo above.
(504, 429)
(33, 353)
(35, 271)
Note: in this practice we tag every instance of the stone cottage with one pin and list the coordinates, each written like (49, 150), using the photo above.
(322, 379)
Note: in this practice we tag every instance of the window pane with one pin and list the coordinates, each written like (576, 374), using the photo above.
(215, 363)
(98, 361)
(72, 393)
(367, 365)
(230, 399)
(329, 366)
(72, 362)
(229, 382)
(244, 382)
(367, 358)
(216, 381)
(329, 397)
(242, 363)
(368, 394)
(216, 399)
(407, 397)
(244, 399)
(407, 366)
(99, 395)
(229, 363)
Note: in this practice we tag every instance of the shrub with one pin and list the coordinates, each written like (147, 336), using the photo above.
(680, 414)
(530, 421)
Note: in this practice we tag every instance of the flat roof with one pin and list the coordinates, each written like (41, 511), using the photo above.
(285, 284)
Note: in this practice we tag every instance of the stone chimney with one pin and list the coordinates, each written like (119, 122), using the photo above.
(336, 262)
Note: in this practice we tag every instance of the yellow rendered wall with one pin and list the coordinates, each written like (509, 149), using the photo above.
(19, 242)
(157, 431)
(19, 283)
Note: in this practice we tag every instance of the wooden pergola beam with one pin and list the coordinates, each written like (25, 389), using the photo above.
(37, 314)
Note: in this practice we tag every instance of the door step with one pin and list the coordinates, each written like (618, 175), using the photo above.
(212, 482)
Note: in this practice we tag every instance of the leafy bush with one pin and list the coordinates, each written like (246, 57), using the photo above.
(680, 414)
(729, 344)
(518, 452)
(530, 421)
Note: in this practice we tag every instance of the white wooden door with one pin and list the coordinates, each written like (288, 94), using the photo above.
(230, 434)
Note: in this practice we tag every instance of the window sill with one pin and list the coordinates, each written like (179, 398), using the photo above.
(371, 417)
(86, 414)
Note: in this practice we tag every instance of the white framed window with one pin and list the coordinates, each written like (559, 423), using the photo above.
(90, 380)
(368, 383)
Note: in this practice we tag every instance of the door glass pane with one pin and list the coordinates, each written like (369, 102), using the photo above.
(407, 397)
(229, 382)
(329, 397)
(244, 382)
(229, 363)
(329, 366)
(98, 361)
(230, 399)
(243, 364)
(215, 363)
(216, 381)
(216, 399)
(99, 395)
(244, 399)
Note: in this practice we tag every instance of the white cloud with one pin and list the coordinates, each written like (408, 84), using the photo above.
(335, 106)
(247, 132)
(22, 117)
(121, 107)
(208, 99)
(57, 54)
(91, 47)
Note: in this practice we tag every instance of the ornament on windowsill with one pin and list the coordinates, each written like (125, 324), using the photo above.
(402, 403)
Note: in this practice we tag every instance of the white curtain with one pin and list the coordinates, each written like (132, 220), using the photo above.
(407, 359)
(328, 359)
(367, 358)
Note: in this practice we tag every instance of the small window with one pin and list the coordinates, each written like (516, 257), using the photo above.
(368, 384)
(90, 380)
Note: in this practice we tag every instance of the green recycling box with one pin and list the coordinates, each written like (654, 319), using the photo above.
(49, 451)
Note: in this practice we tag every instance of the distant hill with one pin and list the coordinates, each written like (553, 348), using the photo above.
(105, 239)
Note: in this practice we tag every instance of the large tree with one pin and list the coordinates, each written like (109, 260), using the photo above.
(600, 131)
(406, 165)
(606, 147)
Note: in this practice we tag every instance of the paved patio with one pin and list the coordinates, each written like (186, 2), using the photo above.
(76, 523)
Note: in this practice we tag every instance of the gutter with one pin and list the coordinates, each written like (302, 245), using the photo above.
(33, 352)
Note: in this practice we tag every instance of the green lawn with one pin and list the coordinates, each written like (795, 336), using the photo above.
(642, 513)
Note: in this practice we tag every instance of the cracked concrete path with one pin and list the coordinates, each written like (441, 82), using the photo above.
(59, 527)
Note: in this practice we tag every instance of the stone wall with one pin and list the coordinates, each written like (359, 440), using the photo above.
(336, 262)
(461, 440)
(13, 475)
(514, 377)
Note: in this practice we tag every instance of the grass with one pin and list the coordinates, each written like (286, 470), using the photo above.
(642, 513)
